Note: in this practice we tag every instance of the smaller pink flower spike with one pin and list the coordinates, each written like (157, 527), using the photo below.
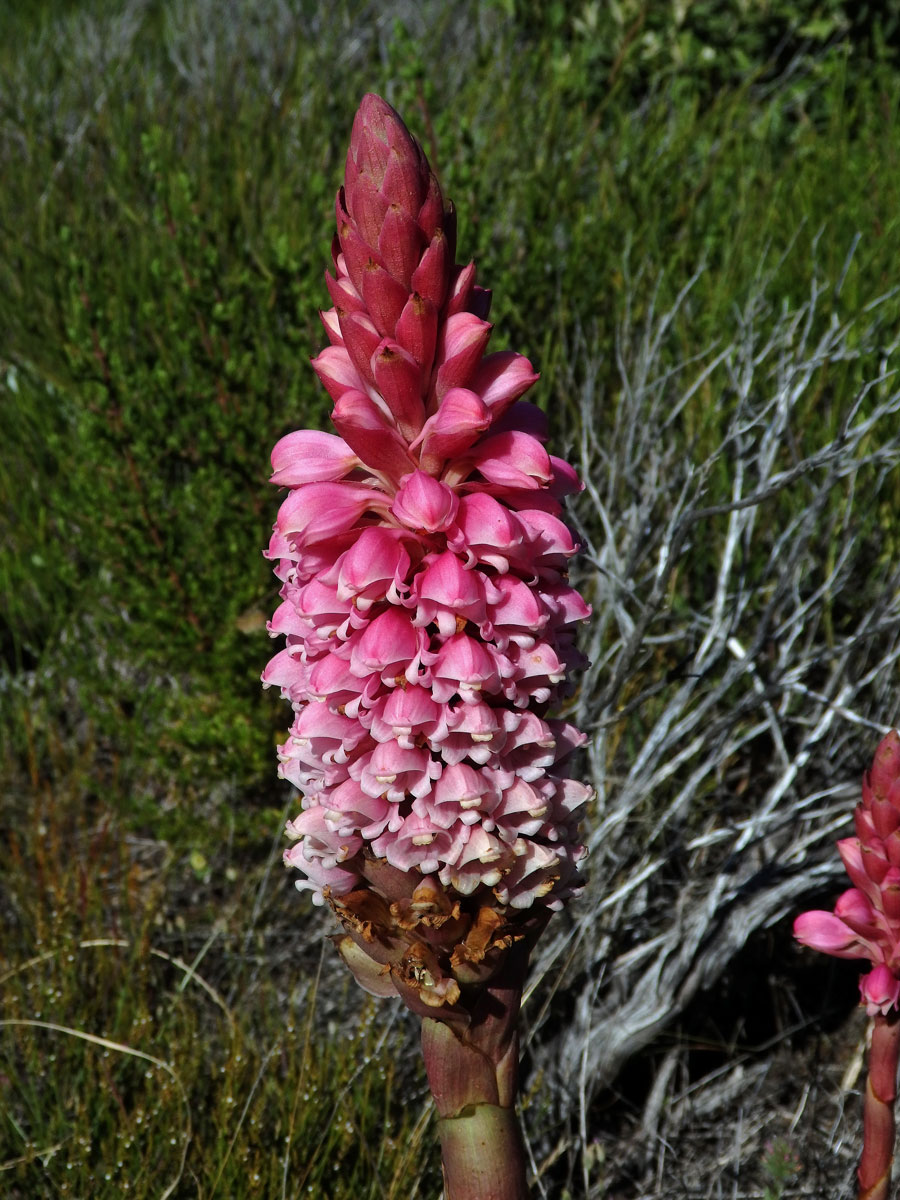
(866, 918)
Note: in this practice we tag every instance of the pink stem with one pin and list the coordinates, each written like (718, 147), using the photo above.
(878, 1109)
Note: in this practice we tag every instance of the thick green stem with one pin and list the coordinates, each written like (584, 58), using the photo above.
(483, 1154)
(878, 1109)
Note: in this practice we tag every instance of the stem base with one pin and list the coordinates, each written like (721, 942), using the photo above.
(483, 1155)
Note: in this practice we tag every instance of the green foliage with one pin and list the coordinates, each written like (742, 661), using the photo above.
(164, 241)
(137, 1060)
(780, 1165)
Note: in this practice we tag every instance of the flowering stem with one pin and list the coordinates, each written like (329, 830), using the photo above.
(878, 1108)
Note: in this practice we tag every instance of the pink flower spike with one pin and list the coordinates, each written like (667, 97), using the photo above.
(428, 625)
(879, 990)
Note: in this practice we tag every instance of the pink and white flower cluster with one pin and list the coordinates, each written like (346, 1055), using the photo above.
(866, 919)
(425, 603)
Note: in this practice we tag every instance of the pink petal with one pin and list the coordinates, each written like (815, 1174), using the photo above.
(419, 844)
(393, 771)
(511, 459)
(431, 277)
(452, 429)
(384, 295)
(416, 331)
(316, 511)
(501, 378)
(517, 609)
(463, 665)
(524, 417)
(344, 296)
(287, 672)
(461, 344)
(400, 241)
(879, 990)
(885, 768)
(373, 568)
(534, 875)
(488, 532)
(398, 378)
(424, 504)
(336, 371)
(479, 861)
(389, 645)
(352, 811)
(461, 794)
(361, 340)
(445, 590)
(465, 296)
(828, 933)
(565, 481)
(405, 714)
(371, 435)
